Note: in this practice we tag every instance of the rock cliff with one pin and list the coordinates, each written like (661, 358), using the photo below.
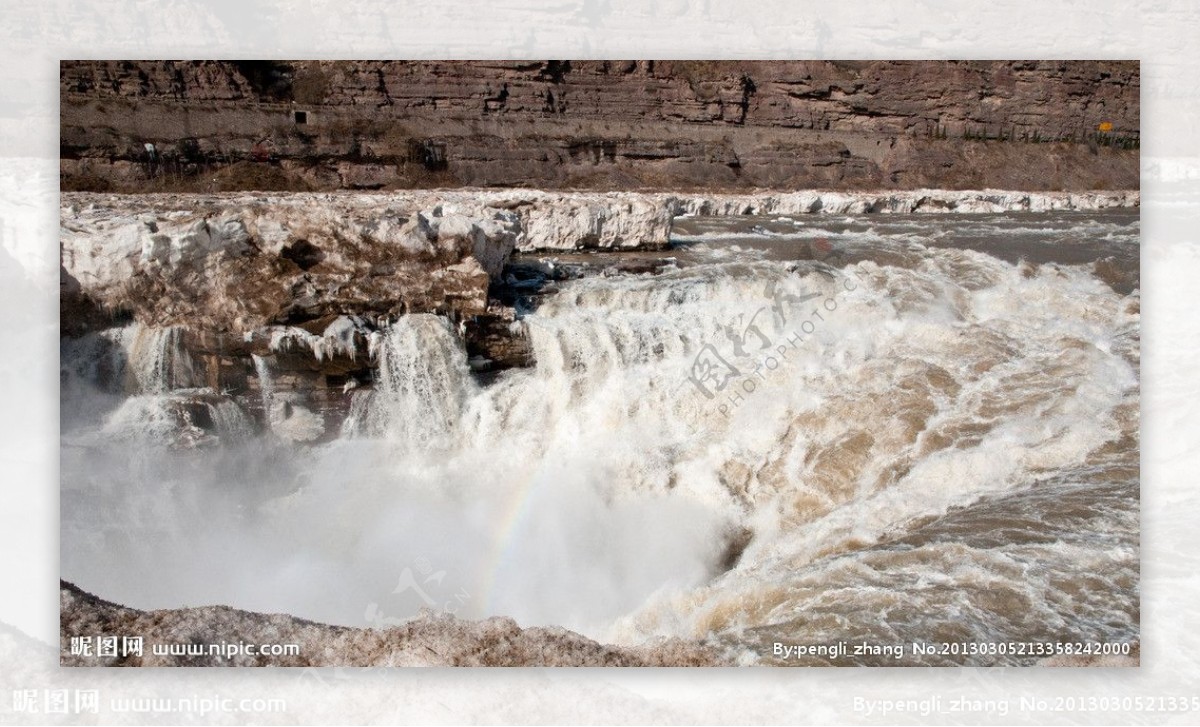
(605, 125)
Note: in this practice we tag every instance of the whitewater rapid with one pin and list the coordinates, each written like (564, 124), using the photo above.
(798, 431)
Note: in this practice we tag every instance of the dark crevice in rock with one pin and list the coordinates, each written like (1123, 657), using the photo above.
(555, 71)
(305, 254)
(735, 546)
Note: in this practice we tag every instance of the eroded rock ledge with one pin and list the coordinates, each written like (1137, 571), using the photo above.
(428, 641)
(241, 261)
(245, 260)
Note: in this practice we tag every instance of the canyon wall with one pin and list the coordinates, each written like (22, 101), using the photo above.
(605, 125)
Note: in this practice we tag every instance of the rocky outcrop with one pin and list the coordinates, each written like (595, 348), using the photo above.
(585, 221)
(428, 641)
(704, 125)
(240, 263)
(279, 301)
(401, 251)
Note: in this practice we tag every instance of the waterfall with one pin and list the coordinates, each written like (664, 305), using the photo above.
(422, 385)
(232, 424)
(357, 414)
(166, 398)
(266, 387)
(156, 360)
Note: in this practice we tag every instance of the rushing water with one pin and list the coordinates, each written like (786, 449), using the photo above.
(880, 428)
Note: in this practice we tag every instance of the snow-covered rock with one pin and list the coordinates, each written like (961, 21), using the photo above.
(907, 202)
(239, 262)
(236, 262)
(587, 220)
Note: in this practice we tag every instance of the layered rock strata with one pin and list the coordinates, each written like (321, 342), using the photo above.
(705, 125)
